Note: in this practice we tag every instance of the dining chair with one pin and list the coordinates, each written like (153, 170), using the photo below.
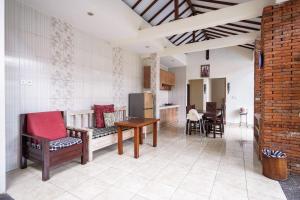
(194, 121)
(213, 121)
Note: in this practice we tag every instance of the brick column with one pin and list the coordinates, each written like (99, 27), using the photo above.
(281, 75)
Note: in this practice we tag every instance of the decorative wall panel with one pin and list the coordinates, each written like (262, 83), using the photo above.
(51, 65)
(118, 73)
(62, 53)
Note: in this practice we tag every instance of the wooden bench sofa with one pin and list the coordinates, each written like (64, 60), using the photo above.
(98, 138)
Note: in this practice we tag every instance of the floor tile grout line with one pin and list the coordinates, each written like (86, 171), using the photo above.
(244, 166)
(216, 173)
(187, 172)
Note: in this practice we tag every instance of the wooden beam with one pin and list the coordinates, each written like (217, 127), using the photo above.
(176, 9)
(242, 26)
(160, 10)
(191, 6)
(233, 29)
(205, 7)
(190, 41)
(246, 47)
(211, 44)
(184, 40)
(251, 22)
(148, 8)
(227, 15)
(136, 4)
(168, 15)
(180, 37)
(219, 2)
(222, 31)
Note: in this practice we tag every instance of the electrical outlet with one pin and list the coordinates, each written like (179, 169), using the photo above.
(29, 82)
(26, 82)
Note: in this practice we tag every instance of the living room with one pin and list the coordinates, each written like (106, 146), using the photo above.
(98, 99)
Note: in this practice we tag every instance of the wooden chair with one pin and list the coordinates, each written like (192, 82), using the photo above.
(45, 139)
(213, 122)
(189, 107)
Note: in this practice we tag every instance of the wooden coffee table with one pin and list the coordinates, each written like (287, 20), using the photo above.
(137, 124)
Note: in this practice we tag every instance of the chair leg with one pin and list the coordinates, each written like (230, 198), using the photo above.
(23, 162)
(45, 171)
(46, 161)
(214, 129)
(186, 127)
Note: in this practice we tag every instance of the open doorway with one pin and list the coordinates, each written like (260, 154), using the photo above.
(200, 91)
(218, 91)
(196, 96)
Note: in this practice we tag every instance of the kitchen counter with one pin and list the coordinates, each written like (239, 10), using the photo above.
(168, 107)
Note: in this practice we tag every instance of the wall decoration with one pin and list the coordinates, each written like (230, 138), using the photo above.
(62, 47)
(204, 88)
(228, 88)
(205, 70)
(118, 74)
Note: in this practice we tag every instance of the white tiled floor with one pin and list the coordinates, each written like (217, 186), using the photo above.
(181, 167)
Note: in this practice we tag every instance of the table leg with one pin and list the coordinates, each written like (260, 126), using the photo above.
(136, 142)
(120, 141)
(155, 134)
(141, 135)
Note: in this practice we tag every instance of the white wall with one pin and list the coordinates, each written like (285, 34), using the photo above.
(236, 65)
(178, 93)
(2, 102)
(53, 66)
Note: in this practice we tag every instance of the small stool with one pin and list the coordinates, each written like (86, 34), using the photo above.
(244, 114)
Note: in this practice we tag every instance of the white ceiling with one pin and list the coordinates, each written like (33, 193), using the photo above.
(112, 20)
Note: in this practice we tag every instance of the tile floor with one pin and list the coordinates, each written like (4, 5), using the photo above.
(181, 167)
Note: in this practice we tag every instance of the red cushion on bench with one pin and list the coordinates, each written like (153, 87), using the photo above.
(99, 110)
(49, 125)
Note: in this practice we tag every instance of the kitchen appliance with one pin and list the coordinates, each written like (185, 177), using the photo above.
(141, 105)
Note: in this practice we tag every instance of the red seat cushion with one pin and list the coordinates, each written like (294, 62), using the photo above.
(49, 125)
(99, 110)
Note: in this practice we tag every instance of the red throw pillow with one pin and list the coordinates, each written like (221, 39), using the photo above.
(48, 125)
(99, 110)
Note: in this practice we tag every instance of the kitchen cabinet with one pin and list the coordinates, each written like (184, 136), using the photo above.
(147, 77)
(168, 116)
(167, 79)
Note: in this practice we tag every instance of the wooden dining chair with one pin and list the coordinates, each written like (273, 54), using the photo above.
(213, 121)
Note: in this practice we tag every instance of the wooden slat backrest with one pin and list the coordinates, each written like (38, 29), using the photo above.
(86, 118)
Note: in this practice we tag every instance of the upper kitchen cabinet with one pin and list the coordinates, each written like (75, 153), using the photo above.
(167, 79)
(147, 77)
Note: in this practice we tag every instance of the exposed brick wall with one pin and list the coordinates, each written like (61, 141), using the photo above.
(281, 76)
(257, 78)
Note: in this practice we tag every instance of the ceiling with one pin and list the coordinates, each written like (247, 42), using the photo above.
(157, 12)
(112, 20)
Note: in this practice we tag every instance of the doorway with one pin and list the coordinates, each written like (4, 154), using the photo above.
(218, 91)
(200, 91)
(196, 93)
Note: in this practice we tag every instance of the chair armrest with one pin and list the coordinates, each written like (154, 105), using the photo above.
(83, 132)
(41, 139)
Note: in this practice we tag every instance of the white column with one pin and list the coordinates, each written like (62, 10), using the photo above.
(2, 102)
(154, 62)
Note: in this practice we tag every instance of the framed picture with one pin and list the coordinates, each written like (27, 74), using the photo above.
(205, 70)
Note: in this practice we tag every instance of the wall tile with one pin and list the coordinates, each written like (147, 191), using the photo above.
(69, 70)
